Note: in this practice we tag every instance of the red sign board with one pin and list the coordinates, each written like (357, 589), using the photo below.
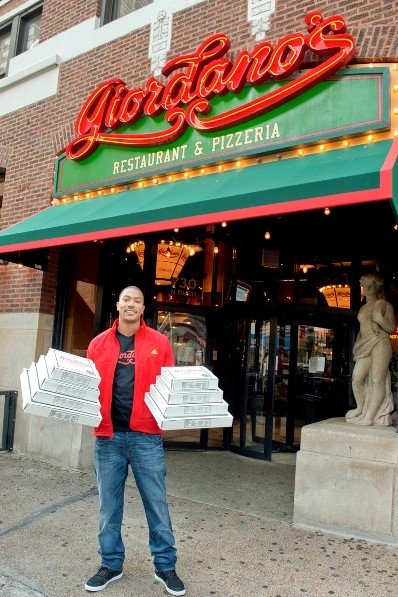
(184, 98)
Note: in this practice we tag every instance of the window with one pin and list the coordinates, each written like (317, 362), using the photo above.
(114, 9)
(18, 35)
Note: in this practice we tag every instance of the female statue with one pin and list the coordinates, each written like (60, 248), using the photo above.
(371, 382)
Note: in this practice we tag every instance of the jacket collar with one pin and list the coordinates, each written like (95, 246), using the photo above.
(116, 323)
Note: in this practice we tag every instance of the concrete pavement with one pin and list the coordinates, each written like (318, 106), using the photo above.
(232, 518)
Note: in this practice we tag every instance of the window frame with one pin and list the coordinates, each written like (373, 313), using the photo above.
(16, 26)
(109, 11)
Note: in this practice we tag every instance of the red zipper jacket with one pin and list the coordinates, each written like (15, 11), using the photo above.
(152, 351)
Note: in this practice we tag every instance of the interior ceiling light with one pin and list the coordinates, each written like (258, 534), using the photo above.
(326, 211)
(171, 258)
(267, 235)
(337, 295)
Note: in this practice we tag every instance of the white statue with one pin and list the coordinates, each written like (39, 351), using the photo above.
(371, 381)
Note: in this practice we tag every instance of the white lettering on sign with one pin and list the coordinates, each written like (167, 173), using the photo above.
(246, 137)
(222, 143)
(141, 162)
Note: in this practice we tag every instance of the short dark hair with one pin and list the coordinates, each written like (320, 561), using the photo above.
(128, 288)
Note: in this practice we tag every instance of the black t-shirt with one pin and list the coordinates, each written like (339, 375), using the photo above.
(123, 384)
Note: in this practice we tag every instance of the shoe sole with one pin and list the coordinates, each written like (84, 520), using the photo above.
(93, 589)
(176, 593)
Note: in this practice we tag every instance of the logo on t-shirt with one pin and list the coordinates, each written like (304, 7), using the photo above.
(127, 358)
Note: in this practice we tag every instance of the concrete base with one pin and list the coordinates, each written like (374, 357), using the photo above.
(346, 480)
(23, 338)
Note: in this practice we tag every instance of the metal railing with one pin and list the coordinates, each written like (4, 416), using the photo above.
(10, 407)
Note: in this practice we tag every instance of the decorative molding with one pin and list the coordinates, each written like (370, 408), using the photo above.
(160, 40)
(258, 14)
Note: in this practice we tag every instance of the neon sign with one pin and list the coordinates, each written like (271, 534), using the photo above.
(185, 98)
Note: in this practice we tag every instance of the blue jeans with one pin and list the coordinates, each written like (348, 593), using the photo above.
(144, 452)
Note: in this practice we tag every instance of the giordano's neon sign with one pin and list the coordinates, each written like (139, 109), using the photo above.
(185, 98)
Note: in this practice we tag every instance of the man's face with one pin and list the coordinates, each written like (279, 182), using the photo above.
(130, 305)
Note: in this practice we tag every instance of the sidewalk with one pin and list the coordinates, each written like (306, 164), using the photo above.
(232, 518)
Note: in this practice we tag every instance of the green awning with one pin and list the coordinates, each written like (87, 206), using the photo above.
(346, 176)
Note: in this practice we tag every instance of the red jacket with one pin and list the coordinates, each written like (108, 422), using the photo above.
(152, 351)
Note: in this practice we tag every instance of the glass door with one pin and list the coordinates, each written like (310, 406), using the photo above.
(286, 375)
(262, 383)
(315, 395)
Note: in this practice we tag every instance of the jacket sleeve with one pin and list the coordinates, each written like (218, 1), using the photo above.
(90, 351)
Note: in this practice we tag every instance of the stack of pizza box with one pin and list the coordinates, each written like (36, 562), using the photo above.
(187, 398)
(62, 386)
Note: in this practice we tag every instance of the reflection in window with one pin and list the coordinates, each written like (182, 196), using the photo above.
(187, 335)
(5, 37)
(30, 31)
(315, 352)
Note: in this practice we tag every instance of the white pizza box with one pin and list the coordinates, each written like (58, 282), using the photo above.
(52, 412)
(196, 422)
(188, 396)
(186, 410)
(189, 378)
(70, 369)
(57, 399)
(58, 387)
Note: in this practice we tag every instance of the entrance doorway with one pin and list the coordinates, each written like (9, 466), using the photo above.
(286, 375)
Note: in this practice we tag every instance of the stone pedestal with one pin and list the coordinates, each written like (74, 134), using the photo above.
(347, 480)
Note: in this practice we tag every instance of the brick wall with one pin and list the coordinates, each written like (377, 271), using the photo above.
(59, 15)
(30, 138)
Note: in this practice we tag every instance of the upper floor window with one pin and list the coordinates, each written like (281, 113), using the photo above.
(18, 35)
(114, 9)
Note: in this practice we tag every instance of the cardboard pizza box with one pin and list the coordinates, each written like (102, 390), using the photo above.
(187, 409)
(71, 369)
(188, 396)
(58, 387)
(51, 411)
(189, 378)
(56, 399)
(196, 422)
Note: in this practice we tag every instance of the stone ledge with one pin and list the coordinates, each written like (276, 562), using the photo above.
(339, 438)
(346, 480)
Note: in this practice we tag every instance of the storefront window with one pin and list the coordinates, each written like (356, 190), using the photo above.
(179, 273)
(187, 334)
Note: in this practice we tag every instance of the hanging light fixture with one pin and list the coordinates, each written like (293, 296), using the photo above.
(337, 295)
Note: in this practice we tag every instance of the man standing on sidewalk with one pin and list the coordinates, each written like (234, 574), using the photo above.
(128, 357)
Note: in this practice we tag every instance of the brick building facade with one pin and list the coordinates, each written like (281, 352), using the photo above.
(44, 87)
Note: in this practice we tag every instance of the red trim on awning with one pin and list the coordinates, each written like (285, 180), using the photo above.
(378, 194)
